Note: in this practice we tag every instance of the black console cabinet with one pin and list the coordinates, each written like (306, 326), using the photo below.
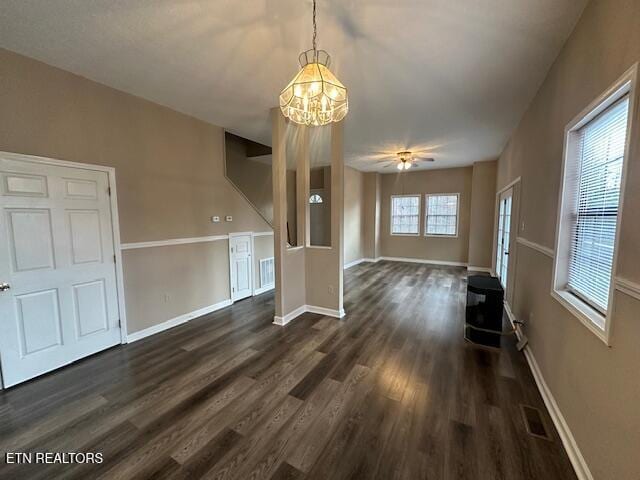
(485, 303)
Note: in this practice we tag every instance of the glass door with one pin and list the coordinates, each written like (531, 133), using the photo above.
(504, 235)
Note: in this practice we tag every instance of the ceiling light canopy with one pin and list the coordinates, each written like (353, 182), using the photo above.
(315, 96)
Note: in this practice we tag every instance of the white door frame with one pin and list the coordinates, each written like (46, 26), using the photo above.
(501, 248)
(515, 184)
(115, 222)
(253, 273)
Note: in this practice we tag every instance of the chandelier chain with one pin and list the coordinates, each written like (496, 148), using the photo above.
(315, 28)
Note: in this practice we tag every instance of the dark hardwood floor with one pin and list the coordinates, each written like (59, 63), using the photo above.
(390, 391)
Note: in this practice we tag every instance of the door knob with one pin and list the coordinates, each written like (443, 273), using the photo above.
(4, 287)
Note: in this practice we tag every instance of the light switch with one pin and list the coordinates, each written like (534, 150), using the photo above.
(215, 219)
(229, 218)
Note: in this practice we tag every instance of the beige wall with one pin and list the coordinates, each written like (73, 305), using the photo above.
(354, 215)
(451, 180)
(482, 214)
(251, 177)
(371, 215)
(597, 387)
(169, 170)
(163, 289)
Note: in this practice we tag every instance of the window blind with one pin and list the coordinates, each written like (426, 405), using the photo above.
(405, 215)
(601, 144)
(442, 215)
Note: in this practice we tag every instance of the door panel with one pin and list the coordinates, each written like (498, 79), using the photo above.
(30, 239)
(25, 185)
(90, 307)
(241, 266)
(57, 254)
(38, 316)
(86, 245)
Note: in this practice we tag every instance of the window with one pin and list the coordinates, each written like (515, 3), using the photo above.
(442, 215)
(315, 198)
(589, 206)
(405, 215)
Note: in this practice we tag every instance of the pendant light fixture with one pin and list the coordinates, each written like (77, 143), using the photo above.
(314, 96)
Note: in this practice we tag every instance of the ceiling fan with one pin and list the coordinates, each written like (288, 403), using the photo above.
(405, 160)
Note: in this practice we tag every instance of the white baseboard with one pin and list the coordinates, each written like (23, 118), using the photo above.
(471, 268)
(266, 288)
(174, 322)
(361, 260)
(281, 321)
(354, 263)
(568, 441)
(325, 311)
(421, 260)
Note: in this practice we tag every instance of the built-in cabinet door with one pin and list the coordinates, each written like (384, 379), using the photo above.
(504, 236)
(241, 266)
(58, 296)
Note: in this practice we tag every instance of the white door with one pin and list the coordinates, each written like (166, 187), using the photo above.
(58, 298)
(504, 236)
(241, 266)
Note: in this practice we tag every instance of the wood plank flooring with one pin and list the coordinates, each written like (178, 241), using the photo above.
(391, 391)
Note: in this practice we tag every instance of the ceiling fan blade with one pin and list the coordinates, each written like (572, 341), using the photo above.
(425, 159)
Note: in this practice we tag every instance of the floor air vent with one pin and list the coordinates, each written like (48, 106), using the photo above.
(534, 422)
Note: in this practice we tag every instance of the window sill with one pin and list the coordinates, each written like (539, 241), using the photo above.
(405, 234)
(435, 235)
(588, 316)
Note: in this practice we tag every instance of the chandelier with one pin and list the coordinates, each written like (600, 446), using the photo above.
(315, 96)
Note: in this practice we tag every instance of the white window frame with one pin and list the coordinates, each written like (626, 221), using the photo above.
(416, 195)
(315, 195)
(426, 215)
(597, 322)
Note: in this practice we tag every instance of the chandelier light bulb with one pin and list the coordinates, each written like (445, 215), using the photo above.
(315, 96)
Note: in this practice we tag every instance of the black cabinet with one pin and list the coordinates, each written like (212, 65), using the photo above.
(485, 303)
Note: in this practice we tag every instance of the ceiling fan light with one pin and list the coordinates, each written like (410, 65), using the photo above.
(401, 166)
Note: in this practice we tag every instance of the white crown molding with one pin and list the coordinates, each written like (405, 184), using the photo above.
(628, 287)
(421, 260)
(536, 246)
(568, 441)
(173, 241)
(174, 322)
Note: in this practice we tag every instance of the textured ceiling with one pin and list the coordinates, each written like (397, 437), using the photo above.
(449, 79)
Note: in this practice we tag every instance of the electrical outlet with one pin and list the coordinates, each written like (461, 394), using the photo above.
(332, 289)
(166, 298)
(215, 219)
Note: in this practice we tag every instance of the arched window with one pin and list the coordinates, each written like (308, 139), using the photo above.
(315, 198)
